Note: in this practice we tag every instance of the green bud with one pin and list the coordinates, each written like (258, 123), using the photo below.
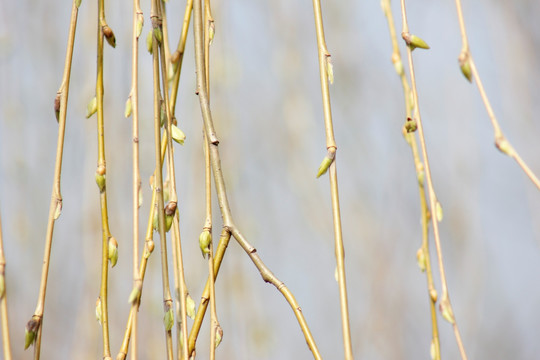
(446, 310)
(58, 209)
(30, 331)
(465, 65)
(149, 248)
(158, 34)
(504, 146)
(204, 242)
(190, 307)
(109, 35)
(433, 295)
(421, 259)
(100, 181)
(128, 108)
(170, 210)
(57, 106)
(398, 64)
(329, 69)
(149, 42)
(78, 3)
(113, 251)
(410, 125)
(438, 211)
(336, 276)
(168, 319)
(414, 41)
(325, 164)
(178, 135)
(135, 294)
(140, 23)
(219, 335)
(211, 32)
(140, 197)
(98, 310)
(175, 57)
(91, 108)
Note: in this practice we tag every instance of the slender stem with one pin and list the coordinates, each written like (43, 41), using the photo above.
(419, 168)
(220, 183)
(149, 248)
(208, 29)
(3, 301)
(500, 139)
(136, 185)
(179, 276)
(445, 299)
(158, 178)
(179, 54)
(205, 297)
(102, 170)
(324, 64)
(55, 207)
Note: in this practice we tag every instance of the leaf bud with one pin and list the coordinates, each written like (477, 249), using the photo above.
(168, 319)
(329, 69)
(140, 23)
(109, 35)
(113, 251)
(465, 65)
(158, 34)
(190, 307)
(177, 134)
(421, 259)
(446, 310)
(219, 335)
(100, 181)
(57, 106)
(30, 331)
(325, 164)
(149, 42)
(204, 242)
(128, 108)
(91, 108)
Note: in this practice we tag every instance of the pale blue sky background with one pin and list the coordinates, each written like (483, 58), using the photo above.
(268, 114)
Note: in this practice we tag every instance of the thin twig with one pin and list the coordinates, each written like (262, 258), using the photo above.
(424, 258)
(444, 304)
(158, 178)
(136, 187)
(220, 183)
(325, 71)
(467, 63)
(55, 207)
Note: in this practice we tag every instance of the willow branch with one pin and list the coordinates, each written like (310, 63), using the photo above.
(138, 20)
(158, 179)
(55, 208)
(424, 259)
(178, 56)
(326, 72)
(179, 276)
(220, 183)
(468, 67)
(445, 305)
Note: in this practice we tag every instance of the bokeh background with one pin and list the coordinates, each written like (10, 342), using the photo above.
(267, 107)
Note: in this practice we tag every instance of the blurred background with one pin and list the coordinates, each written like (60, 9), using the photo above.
(267, 109)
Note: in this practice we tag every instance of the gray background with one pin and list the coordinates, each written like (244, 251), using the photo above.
(267, 108)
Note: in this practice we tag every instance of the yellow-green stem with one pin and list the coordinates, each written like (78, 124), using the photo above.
(56, 197)
(324, 57)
